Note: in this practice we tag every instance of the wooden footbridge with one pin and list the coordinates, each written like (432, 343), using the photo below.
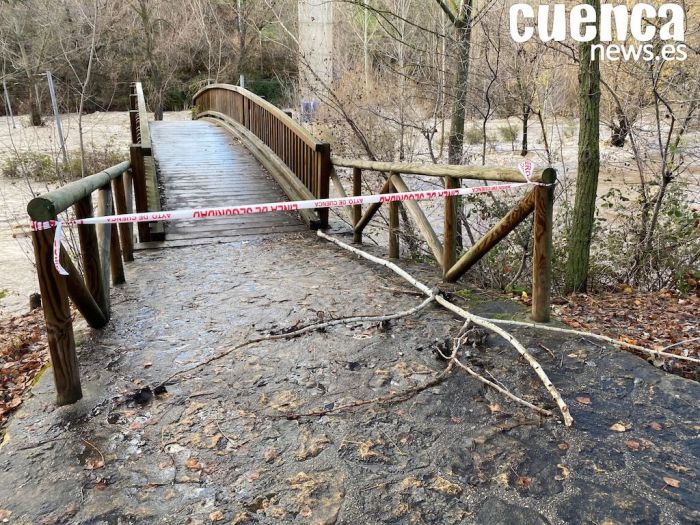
(239, 150)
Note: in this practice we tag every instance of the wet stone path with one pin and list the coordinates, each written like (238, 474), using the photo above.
(217, 445)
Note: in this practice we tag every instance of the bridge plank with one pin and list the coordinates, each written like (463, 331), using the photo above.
(201, 165)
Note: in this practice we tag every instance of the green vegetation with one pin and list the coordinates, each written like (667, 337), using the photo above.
(473, 136)
(44, 168)
(508, 133)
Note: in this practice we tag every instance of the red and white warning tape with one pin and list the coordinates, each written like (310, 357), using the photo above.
(228, 211)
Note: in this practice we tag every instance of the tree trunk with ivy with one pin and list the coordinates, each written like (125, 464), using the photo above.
(588, 168)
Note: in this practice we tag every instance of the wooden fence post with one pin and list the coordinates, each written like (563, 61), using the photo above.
(115, 257)
(120, 204)
(357, 209)
(324, 178)
(90, 253)
(393, 224)
(59, 326)
(104, 239)
(138, 172)
(491, 238)
(542, 248)
(449, 245)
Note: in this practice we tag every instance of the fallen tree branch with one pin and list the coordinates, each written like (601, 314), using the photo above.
(553, 392)
(393, 397)
(658, 353)
(453, 359)
(300, 331)
(352, 320)
(563, 408)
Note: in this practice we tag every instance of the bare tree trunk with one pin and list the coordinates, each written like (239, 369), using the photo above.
(526, 117)
(588, 167)
(459, 105)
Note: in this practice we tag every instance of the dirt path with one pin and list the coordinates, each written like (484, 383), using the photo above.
(218, 444)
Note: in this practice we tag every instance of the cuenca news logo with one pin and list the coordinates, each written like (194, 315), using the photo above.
(658, 34)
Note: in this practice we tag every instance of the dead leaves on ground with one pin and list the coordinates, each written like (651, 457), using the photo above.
(23, 353)
(651, 319)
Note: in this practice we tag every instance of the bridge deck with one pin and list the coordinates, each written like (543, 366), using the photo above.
(201, 165)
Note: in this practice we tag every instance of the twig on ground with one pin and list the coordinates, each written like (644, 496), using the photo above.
(453, 359)
(393, 397)
(658, 353)
(554, 393)
(300, 331)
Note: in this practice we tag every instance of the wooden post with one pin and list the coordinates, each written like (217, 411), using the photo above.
(357, 209)
(115, 258)
(133, 125)
(542, 248)
(80, 295)
(492, 237)
(129, 197)
(89, 250)
(125, 233)
(104, 238)
(59, 327)
(422, 222)
(449, 245)
(140, 196)
(324, 178)
(394, 250)
(371, 209)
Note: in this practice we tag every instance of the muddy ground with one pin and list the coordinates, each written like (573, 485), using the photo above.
(219, 445)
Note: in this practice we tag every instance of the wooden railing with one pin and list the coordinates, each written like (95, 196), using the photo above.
(102, 250)
(298, 162)
(143, 165)
(540, 200)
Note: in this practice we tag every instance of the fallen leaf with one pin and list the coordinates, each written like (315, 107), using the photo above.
(672, 482)
(584, 400)
(495, 407)
(618, 427)
(193, 464)
(94, 464)
(563, 446)
(565, 472)
(679, 468)
(217, 515)
(502, 479)
(524, 482)
(655, 426)
(632, 444)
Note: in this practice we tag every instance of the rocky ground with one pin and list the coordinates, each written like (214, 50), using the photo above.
(225, 442)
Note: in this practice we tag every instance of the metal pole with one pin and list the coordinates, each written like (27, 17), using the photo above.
(7, 104)
(241, 81)
(56, 115)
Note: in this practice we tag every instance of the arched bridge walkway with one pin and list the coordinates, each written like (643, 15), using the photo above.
(200, 164)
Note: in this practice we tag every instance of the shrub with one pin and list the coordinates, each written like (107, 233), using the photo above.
(473, 136)
(96, 160)
(508, 133)
(29, 164)
(42, 167)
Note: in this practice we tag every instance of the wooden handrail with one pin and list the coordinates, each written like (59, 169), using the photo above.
(144, 132)
(101, 252)
(147, 192)
(307, 161)
(435, 170)
(280, 115)
(539, 200)
(47, 206)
